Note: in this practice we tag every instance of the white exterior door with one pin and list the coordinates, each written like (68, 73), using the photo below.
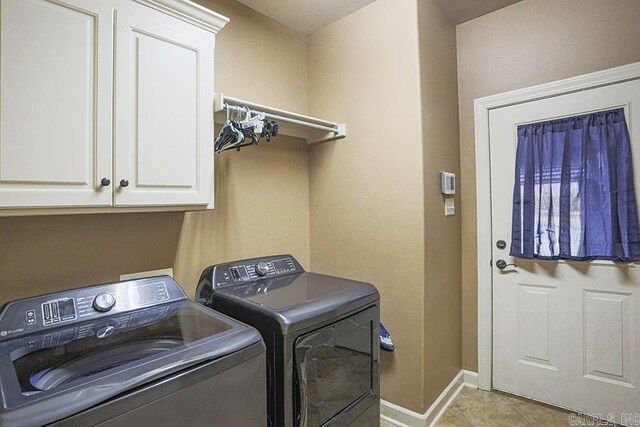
(55, 103)
(164, 110)
(565, 333)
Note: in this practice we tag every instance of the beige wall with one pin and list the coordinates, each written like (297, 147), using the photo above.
(366, 190)
(369, 192)
(262, 193)
(49, 253)
(441, 152)
(259, 59)
(262, 208)
(262, 199)
(531, 42)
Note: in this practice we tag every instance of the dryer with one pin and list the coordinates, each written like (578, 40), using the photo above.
(130, 353)
(321, 334)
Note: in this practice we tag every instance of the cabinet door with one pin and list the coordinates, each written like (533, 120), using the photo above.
(164, 109)
(55, 103)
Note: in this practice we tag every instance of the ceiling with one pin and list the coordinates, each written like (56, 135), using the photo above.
(306, 16)
(465, 10)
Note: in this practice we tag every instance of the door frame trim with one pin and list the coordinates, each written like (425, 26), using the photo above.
(482, 107)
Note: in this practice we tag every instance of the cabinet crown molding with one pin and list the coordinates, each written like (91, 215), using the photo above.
(190, 12)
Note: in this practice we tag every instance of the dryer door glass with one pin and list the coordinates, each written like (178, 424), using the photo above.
(334, 368)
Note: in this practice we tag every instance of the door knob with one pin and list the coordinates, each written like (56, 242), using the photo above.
(105, 182)
(124, 183)
(502, 264)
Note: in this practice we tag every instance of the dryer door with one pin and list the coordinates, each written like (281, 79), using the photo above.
(336, 369)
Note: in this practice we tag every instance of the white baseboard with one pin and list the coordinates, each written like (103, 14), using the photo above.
(470, 378)
(403, 417)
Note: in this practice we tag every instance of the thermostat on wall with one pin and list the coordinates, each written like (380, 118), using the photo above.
(448, 180)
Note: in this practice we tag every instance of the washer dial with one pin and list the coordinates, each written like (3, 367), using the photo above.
(104, 302)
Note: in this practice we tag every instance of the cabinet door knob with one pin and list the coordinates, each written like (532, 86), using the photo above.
(124, 183)
(105, 182)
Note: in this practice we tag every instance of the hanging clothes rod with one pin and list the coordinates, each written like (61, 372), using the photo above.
(310, 128)
(278, 118)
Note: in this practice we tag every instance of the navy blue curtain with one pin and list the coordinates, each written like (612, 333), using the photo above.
(574, 196)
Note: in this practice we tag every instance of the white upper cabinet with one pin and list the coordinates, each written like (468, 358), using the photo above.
(106, 103)
(55, 103)
(164, 110)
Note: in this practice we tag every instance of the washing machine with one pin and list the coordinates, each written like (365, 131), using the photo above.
(321, 334)
(131, 353)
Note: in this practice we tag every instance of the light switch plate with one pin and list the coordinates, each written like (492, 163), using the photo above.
(449, 206)
(150, 273)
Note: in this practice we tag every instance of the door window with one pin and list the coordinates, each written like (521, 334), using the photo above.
(574, 195)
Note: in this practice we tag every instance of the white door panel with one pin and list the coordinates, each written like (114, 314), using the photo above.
(55, 115)
(164, 109)
(564, 332)
(607, 335)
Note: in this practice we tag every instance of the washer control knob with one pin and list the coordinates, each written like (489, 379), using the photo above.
(262, 269)
(105, 331)
(104, 302)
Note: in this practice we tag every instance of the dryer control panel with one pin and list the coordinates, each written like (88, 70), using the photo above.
(78, 305)
(253, 269)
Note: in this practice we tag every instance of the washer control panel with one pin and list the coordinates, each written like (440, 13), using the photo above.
(252, 269)
(33, 314)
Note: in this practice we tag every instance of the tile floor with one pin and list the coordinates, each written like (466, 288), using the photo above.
(473, 408)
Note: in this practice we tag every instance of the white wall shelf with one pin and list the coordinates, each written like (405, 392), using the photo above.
(311, 129)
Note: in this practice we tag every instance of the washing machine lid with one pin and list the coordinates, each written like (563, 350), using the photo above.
(54, 373)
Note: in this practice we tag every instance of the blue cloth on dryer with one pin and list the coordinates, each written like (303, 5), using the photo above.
(385, 339)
